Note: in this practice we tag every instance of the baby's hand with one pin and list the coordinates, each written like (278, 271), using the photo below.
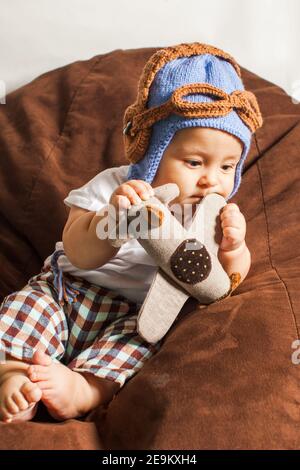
(131, 192)
(233, 225)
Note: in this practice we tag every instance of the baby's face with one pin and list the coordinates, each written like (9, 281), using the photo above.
(200, 161)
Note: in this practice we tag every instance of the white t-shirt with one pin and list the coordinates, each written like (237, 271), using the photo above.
(132, 270)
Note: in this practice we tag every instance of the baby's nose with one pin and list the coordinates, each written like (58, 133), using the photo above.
(209, 178)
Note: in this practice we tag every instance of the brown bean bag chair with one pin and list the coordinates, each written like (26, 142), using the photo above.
(224, 377)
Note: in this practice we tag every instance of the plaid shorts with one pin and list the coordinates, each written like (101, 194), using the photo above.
(87, 327)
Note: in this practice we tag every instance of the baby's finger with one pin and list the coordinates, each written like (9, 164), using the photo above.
(129, 191)
(232, 233)
(232, 206)
(122, 202)
(142, 188)
(232, 221)
(149, 187)
(229, 209)
(236, 217)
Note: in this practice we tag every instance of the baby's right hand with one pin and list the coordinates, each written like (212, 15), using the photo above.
(131, 192)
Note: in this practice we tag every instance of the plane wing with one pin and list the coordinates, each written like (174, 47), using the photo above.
(160, 308)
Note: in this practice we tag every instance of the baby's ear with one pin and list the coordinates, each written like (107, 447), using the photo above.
(166, 192)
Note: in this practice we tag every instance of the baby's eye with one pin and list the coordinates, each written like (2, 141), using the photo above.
(227, 167)
(194, 161)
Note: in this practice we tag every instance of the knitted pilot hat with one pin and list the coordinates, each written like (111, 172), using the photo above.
(210, 80)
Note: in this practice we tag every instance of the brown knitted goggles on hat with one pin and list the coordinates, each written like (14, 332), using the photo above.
(138, 119)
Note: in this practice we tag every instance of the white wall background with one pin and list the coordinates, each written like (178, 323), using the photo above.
(40, 35)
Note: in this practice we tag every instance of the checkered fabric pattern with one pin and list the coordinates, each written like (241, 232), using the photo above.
(89, 328)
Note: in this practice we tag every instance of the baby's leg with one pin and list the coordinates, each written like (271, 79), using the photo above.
(103, 350)
(18, 395)
(29, 319)
(66, 393)
(115, 356)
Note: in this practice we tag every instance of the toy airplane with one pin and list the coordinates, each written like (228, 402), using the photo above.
(187, 259)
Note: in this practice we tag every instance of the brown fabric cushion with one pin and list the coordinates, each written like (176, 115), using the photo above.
(224, 377)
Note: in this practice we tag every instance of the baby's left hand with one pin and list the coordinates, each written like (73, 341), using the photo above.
(233, 225)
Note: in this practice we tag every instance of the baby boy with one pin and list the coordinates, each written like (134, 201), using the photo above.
(191, 125)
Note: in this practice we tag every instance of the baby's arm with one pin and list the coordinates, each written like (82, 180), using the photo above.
(83, 247)
(81, 244)
(233, 253)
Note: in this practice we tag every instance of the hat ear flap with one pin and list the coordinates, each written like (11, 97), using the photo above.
(135, 142)
(136, 147)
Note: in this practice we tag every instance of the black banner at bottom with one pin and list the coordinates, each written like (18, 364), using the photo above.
(137, 458)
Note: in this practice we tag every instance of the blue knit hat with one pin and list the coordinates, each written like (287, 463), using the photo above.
(199, 78)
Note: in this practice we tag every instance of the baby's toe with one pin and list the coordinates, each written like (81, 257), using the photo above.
(37, 373)
(20, 401)
(39, 357)
(11, 406)
(6, 417)
(31, 392)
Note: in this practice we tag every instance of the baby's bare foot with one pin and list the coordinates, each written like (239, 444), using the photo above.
(65, 393)
(18, 397)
